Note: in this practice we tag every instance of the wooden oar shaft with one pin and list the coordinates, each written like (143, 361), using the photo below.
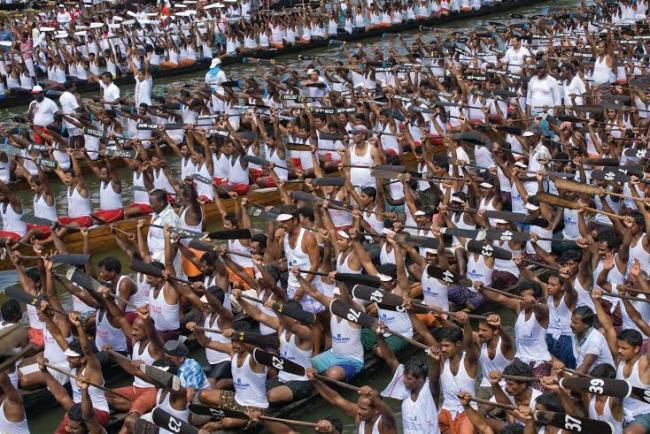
(494, 404)
(10, 362)
(608, 214)
(519, 378)
(579, 374)
(541, 264)
(289, 421)
(498, 291)
(71, 375)
(337, 382)
(206, 329)
(407, 339)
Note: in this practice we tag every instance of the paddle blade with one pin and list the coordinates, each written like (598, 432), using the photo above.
(16, 292)
(334, 181)
(216, 413)
(71, 258)
(554, 200)
(421, 241)
(201, 245)
(144, 268)
(344, 310)
(598, 386)
(257, 339)
(33, 220)
(252, 159)
(262, 213)
(297, 147)
(235, 234)
(641, 394)
(445, 275)
(304, 196)
(173, 424)
(82, 279)
(575, 423)
(498, 235)
(509, 216)
(277, 362)
(161, 378)
(296, 312)
(376, 295)
(567, 184)
(354, 279)
(488, 250)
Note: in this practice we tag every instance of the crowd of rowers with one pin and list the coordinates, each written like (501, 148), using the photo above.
(79, 44)
(495, 128)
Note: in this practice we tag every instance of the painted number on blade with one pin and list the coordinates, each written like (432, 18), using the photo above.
(376, 296)
(448, 276)
(506, 236)
(609, 176)
(596, 386)
(174, 425)
(487, 251)
(277, 363)
(641, 153)
(572, 424)
(646, 395)
(353, 315)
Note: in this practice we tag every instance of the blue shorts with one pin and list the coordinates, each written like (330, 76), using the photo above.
(643, 420)
(562, 349)
(329, 359)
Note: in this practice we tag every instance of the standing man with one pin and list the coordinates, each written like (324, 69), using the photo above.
(41, 112)
(215, 75)
(109, 91)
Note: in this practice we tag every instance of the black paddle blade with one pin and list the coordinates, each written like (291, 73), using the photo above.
(507, 215)
(518, 237)
(422, 241)
(641, 394)
(488, 250)
(145, 427)
(71, 258)
(216, 413)
(575, 423)
(262, 213)
(161, 378)
(16, 292)
(144, 268)
(235, 234)
(170, 423)
(295, 312)
(200, 245)
(598, 386)
(445, 275)
(334, 181)
(277, 362)
(304, 196)
(355, 279)
(256, 160)
(257, 339)
(82, 279)
(344, 310)
(376, 295)
(33, 220)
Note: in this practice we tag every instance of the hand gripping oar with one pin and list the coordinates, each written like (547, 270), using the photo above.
(91, 285)
(291, 311)
(488, 250)
(504, 293)
(251, 159)
(163, 379)
(567, 184)
(171, 423)
(71, 375)
(344, 310)
(220, 413)
(151, 270)
(23, 297)
(554, 200)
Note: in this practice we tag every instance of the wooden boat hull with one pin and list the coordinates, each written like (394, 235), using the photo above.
(18, 100)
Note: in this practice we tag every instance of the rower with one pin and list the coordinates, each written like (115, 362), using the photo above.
(163, 214)
(12, 411)
(215, 75)
(110, 271)
(190, 372)
(370, 413)
(12, 316)
(361, 153)
(108, 90)
(142, 184)
(11, 211)
(78, 196)
(110, 192)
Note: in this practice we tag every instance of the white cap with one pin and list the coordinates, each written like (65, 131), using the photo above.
(70, 353)
(521, 164)
(37, 89)
(531, 207)
(456, 199)
(485, 184)
(283, 217)
(385, 278)
(215, 62)
(343, 234)
(387, 231)
(336, 291)
(429, 250)
(419, 213)
(501, 221)
(203, 299)
(311, 71)
(116, 18)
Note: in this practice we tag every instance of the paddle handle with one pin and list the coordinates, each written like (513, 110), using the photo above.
(540, 264)
(494, 404)
(407, 339)
(10, 362)
(253, 299)
(498, 291)
(122, 300)
(579, 374)
(519, 378)
(289, 421)
(206, 329)
(337, 382)
(317, 273)
(608, 214)
(103, 388)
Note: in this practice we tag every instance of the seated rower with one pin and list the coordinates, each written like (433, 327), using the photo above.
(110, 192)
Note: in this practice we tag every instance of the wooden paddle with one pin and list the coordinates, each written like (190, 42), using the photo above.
(73, 376)
(594, 190)
(554, 200)
(10, 362)
(171, 423)
(505, 293)
(162, 378)
(91, 285)
(220, 413)
(23, 297)
(349, 278)
(151, 270)
(66, 258)
(290, 311)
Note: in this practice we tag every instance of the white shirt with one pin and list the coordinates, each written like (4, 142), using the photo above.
(543, 92)
(111, 92)
(515, 58)
(44, 112)
(593, 343)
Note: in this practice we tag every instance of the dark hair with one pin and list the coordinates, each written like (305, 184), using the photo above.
(610, 237)
(260, 238)
(159, 194)
(512, 428)
(388, 269)
(638, 218)
(570, 255)
(232, 218)
(10, 310)
(369, 191)
(631, 336)
(107, 74)
(518, 368)
(158, 264)
(417, 367)
(34, 274)
(604, 370)
(550, 402)
(586, 314)
(217, 293)
(307, 212)
(112, 264)
(525, 284)
(336, 423)
(74, 413)
(451, 334)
